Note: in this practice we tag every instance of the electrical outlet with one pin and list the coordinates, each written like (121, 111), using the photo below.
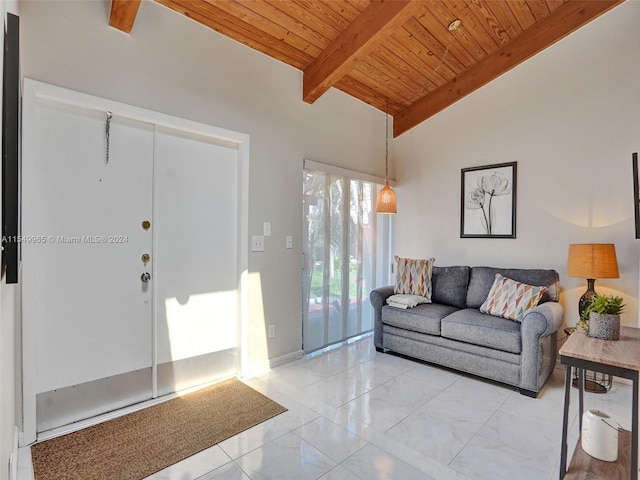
(266, 229)
(272, 331)
(289, 241)
(257, 243)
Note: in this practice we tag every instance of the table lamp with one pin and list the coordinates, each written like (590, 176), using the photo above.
(591, 261)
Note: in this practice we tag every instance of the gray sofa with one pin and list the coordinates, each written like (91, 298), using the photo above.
(452, 332)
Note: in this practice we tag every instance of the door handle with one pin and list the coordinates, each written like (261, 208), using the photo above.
(145, 277)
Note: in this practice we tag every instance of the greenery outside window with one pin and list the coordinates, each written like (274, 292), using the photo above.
(346, 253)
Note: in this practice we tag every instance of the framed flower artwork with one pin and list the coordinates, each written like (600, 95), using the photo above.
(488, 201)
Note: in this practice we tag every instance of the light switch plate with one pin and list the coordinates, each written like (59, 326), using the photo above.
(257, 243)
(266, 230)
(289, 241)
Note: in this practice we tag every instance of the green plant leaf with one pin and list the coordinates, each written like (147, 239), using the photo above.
(602, 304)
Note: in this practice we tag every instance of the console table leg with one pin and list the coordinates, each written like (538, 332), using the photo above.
(580, 398)
(565, 422)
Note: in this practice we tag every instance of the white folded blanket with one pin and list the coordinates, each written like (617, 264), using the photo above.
(401, 300)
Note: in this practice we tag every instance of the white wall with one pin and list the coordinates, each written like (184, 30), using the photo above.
(570, 117)
(173, 65)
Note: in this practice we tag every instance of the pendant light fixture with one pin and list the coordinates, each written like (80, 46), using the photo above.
(386, 202)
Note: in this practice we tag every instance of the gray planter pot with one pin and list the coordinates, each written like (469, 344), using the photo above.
(605, 327)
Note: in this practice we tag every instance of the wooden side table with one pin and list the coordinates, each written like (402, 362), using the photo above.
(615, 357)
(594, 382)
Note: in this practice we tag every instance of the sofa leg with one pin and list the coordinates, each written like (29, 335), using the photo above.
(528, 393)
(378, 349)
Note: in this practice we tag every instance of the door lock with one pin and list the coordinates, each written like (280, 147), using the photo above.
(145, 277)
(145, 258)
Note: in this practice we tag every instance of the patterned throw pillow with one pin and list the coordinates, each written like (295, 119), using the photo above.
(413, 276)
(510, 299)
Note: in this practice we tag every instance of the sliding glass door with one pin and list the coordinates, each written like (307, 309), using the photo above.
(346, 254)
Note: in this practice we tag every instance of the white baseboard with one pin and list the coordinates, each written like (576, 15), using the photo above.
(266, 365)
(290, 357)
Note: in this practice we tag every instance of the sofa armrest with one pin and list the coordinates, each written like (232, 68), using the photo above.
(378, 298)
(539, 345)
(545, 319)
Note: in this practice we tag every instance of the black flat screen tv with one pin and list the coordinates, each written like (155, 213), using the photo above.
(11, 94)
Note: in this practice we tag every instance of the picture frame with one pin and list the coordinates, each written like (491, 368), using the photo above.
(636, 192)
(488, 201)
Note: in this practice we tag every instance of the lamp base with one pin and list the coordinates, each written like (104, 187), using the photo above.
(585, 299)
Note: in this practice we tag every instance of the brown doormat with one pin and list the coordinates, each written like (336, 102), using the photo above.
(136, 445)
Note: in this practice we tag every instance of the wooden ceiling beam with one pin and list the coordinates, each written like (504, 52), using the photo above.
(123, 14)
(564, 20)
(364, 34)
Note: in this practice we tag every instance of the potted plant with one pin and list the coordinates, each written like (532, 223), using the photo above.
(601, 317)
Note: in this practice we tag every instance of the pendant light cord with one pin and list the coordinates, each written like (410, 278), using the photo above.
(386, 138)
(453, 28)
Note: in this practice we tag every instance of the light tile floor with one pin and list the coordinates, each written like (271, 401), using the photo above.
(355, 414)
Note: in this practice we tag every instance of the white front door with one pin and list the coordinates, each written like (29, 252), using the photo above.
(83, 245)
(196, 259)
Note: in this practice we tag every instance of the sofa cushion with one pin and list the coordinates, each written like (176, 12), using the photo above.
(472, 326)
(481, 279)
(413, 276)
(510, 299)
(449, 285)
(429, 344)
(424, 318)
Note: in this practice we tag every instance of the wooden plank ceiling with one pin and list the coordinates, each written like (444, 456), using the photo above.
(400, 56)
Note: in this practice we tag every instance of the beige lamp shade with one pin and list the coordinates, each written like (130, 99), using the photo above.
(592, 260)
(386, 202)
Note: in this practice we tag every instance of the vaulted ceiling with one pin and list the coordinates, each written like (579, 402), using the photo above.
(411, 58)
